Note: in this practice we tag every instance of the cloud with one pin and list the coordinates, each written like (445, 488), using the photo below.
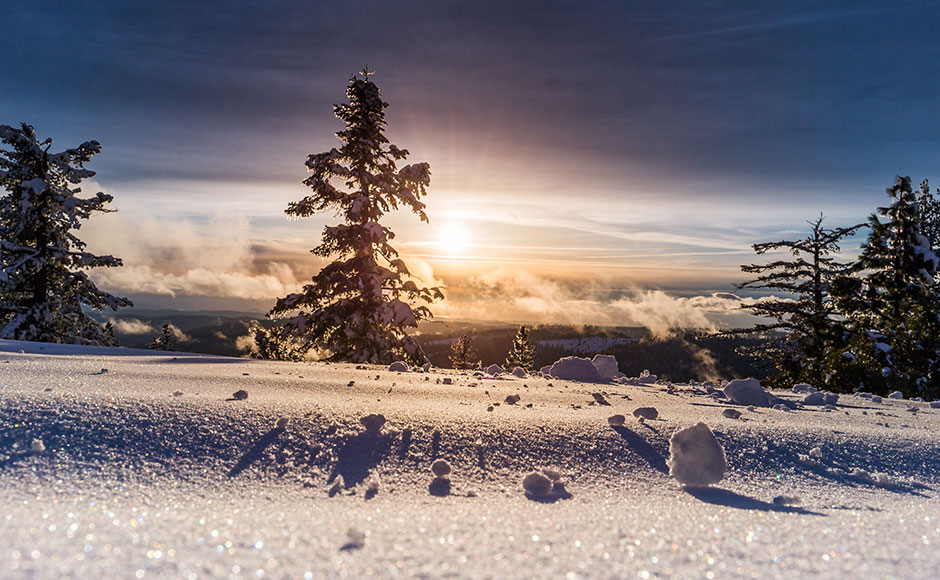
(211, 257)
(131, 326)
(511, 295)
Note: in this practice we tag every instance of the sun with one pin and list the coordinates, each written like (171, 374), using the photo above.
(453, 238)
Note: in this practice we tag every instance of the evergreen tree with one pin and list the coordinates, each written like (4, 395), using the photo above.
(892, 301)
(929, 214)
(165, 341)
(813, 336)
(462, 355)
(43, 281)
(354, 308)
(274, 344)
(522, 353)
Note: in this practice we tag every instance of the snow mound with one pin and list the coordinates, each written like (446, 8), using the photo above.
(616, 420)
(519, 372)
(731, 413)
(896, 395)
(645, 378)
(373, 423)
(820, 398)
(398, 367)
(440, 468)
(572, 368)
(696, 458)
(747, 392)
(494, 370)
(606, 366)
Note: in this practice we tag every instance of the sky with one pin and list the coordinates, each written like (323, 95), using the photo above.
(592, 162)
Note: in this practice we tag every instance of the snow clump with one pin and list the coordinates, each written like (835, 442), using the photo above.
(731, 413)
(398, 367)
(494, 370)
(606, 366)
(696, 458)
(616, 420)
(440, 468)
(518, 372)
(37, 446)
(574, 368)
(373, 423)
(896, 395)
(747, 392)
(646, 412)
(537, 484)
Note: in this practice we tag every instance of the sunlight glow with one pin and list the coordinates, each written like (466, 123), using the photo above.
(453, 239)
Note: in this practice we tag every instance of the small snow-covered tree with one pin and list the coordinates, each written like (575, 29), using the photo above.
(929, 214)
(357, 307)
(43, 282)
(522, 352)
(803, 310)
(165, 340)
(892, 301)
(462, 355)
(274, 344)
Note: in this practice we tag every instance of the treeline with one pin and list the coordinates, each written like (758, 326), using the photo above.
(868, 324)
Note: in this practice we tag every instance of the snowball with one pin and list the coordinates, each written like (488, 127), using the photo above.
(816, 453)
(646, 412)
(731, 413)
(494, 370)
(537, 484)
(606, 366)
(695, 456)
(37, 446)
(747, 392)
(398, 367)
(573, 368)
(440, 468)
(519, 372)
(896, 395)
(373, 423)
(616, 420)
(240, 395)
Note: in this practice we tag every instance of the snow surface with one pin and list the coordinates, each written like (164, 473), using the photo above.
(150, 470)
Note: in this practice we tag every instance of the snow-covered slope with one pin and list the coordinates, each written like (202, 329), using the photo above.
(125, 464)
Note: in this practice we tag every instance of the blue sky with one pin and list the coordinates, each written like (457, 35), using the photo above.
(591, 145)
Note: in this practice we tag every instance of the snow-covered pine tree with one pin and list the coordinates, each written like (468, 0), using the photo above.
(354, 308)
(813, 335)
(43, 281)
(522, 352)
(892, 303)
(929, 214)
(462, 355)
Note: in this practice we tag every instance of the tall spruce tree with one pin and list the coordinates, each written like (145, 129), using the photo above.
(813, 336)
(353, 309)
(892, 301)
(522, 352)
(43, 281)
